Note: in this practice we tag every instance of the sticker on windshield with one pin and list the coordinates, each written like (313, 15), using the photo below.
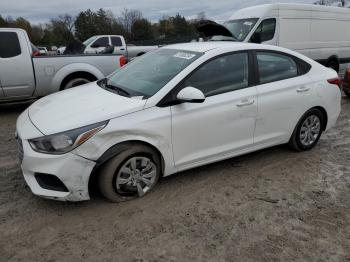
(184, 55)
(248, 23)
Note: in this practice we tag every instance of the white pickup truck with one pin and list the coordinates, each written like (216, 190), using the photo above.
(98, 43)
(24, 76)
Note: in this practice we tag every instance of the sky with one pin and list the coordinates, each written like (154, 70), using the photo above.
(40, 11)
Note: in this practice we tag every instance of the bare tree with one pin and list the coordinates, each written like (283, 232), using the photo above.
(128, 17)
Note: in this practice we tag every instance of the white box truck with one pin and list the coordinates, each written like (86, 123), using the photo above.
(319, 32)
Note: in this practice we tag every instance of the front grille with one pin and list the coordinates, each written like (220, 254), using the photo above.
(20, 148)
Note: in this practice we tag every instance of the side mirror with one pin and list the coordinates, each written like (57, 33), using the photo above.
(191, 95)
(256, 38)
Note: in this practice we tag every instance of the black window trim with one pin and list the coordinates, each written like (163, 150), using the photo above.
(261, 24)
(168, 99)
(18, 42)
(299, 63)
(101, 37)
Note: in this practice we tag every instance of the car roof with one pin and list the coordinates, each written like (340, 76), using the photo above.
(204, 47)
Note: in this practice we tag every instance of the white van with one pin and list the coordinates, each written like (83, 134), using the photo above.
(319, 32)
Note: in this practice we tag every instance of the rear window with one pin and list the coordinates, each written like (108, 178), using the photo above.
(274, 67)
(9, 45)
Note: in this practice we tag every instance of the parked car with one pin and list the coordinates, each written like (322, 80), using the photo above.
(97, 44)
(42, 50)
(173, 109)
(346, 82)
(25, 75)
(312, 30)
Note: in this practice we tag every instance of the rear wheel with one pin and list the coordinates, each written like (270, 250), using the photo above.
(76, 82)
(308, 130)
(131, 174)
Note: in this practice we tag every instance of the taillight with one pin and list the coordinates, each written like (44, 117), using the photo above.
(35, 53)
(346, 82)
(122, 61)
(335, 81)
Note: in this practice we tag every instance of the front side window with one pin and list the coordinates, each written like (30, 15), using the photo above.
(275, 67)
(116, 41)
(9, 45)
(220, 75)
(101, 42)
(240, 28)
(147, 74)
(265, 31)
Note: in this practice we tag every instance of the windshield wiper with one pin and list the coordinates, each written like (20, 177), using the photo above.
(118, 89)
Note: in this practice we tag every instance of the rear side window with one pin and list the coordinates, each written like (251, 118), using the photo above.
(266, 29)
(9, 45)
(116, 41)
(220, 75)
(274, 67)
(101, 42)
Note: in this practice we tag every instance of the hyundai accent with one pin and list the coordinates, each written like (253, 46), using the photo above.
(173, 109)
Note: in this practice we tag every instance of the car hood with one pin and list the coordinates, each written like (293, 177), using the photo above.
(80, 106)
(209, 28)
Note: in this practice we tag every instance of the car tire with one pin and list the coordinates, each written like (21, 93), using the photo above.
(308, 130)
(76, 82)
(123, 177)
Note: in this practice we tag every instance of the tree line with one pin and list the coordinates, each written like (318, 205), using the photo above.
(130, 23)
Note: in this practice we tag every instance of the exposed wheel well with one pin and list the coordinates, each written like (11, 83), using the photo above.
(74, 75)
(115, 150)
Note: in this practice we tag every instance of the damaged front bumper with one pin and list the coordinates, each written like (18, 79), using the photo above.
(60, 177)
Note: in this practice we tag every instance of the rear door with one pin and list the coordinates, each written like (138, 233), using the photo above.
(119, 46)
(16, 68)
(284, 94)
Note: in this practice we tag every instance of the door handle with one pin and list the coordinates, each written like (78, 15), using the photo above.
(245, 102)
(122, 49)
(303, 89)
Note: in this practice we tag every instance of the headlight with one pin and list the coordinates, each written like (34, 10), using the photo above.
(64, 142)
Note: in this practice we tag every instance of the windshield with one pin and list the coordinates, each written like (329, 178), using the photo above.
(87, 42)
(147, 74)
(240, 28)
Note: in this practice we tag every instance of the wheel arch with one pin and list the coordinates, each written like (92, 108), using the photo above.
(321, 109)
(79, 74)
(115, 150)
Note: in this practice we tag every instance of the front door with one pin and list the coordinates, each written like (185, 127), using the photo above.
(225, 121)
(16, 68)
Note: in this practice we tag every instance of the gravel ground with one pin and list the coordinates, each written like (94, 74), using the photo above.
(272, 205)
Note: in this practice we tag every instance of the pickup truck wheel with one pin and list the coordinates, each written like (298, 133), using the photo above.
(131, 174)
(76, 82)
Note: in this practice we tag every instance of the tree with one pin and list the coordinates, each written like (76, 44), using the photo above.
(59, 30)
(127, 18)
(3, 22)
(85, 26)
(141, 30)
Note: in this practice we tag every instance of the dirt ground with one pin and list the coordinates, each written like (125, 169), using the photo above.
(273, 205)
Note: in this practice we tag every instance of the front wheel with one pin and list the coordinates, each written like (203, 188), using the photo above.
(131, 174)
(308, 131)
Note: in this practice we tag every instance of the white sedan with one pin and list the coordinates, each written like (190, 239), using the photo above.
(173, 109)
